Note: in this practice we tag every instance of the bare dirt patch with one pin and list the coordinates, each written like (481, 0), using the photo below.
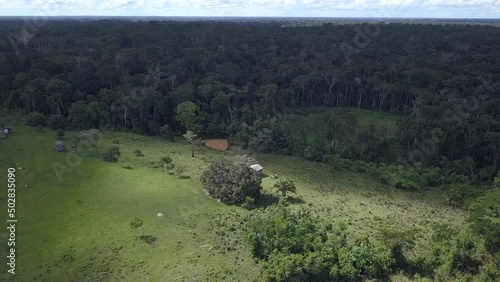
(218, 144)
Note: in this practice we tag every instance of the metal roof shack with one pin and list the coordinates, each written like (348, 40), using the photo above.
(257, 168)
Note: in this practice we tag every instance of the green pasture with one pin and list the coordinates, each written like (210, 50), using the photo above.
(78, 227)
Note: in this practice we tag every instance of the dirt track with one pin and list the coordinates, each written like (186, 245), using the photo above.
(218, 144)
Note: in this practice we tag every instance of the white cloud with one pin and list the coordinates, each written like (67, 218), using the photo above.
(384, 8)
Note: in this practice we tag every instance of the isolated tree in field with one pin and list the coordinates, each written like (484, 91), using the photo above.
(230, 181)
(193, 139)
(285, 186)
(186, 114)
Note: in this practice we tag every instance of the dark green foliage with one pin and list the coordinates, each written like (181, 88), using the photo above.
(285, 186)
(490, 272)
(112, 155)
(466, 254)
(220, 88)
(285, 267)
(166, 133)
(249, 203)
(496, 181)
(57, 121)
(186, 114)
(371, 259)
(485, 219)
(452, 254)
(138, 153)
(229, 182)
(295, 246)
(399, 242)
(36, 119)
(278, 229)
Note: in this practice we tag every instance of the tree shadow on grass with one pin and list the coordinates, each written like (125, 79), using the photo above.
(295, 201)
(266, 200)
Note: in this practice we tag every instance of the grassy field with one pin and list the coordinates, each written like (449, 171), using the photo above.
(78, 228)
(311, 117)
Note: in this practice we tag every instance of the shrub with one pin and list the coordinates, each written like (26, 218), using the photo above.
(36, 119)
(230, 182)
(406, 184)
(294, 246)
(284, 267)
(138, 153)
(249, 203)
(285, 186)
(112, 155)
(485, 218)
(490, 272)
(166, 159)
(373, 260)
(465, 254)
(278, 229)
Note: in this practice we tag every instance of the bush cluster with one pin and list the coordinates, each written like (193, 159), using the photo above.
(294, 246)
(112, 155)
(36, 119)
(230, 181)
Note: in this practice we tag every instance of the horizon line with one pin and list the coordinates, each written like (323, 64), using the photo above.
(254, 17)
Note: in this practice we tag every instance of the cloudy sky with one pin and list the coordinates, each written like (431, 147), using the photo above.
(285, 8)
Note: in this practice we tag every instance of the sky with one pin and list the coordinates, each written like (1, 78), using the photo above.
(256, 8)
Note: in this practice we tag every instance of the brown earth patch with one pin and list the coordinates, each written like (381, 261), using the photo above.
(218, 144)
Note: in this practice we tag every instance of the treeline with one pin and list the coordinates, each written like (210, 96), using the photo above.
(245, 77)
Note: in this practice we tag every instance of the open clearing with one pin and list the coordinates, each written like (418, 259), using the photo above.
(79, 229)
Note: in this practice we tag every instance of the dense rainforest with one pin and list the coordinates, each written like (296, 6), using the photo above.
(245, 77)
(250, 81)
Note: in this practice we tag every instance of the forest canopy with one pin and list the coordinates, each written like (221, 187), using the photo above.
(242, 79)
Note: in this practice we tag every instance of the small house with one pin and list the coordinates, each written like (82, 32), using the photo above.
(59, 146)
(257, 168)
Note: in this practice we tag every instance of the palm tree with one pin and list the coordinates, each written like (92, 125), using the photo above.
(284, 186)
